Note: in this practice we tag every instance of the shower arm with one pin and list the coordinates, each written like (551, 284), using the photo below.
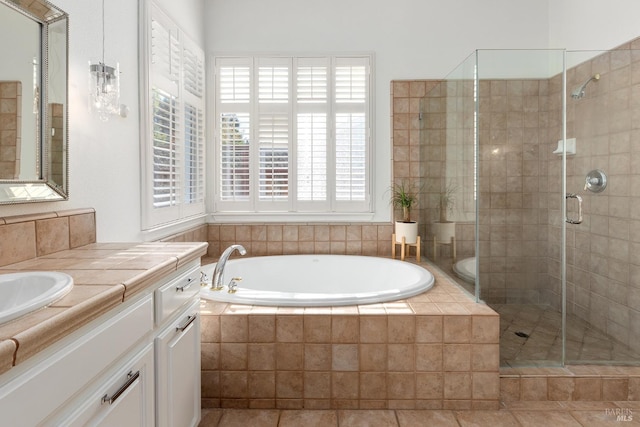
(579, 92)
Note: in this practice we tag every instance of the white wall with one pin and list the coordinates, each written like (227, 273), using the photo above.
(104, 158)
(593, 25)
(412, 39)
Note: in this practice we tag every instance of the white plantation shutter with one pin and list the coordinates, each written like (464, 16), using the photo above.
(193, 154)
(234, 84)
(194, 139)
(351, 88)
(273, 138)
(235, 178)
(350, 156)
(312, 76)
(165, 161)
(233, 132)
(193, 71)
(175, 169)
(273, 131)
(293, 134)
(165, 47)
(312, 157)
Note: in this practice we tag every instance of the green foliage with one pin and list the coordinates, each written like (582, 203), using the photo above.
(404, 196)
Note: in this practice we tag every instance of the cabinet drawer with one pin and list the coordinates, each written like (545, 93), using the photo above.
(55, 379)
(123, 398)
(179, 291)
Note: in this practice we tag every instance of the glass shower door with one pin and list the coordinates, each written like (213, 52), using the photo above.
(520, 200)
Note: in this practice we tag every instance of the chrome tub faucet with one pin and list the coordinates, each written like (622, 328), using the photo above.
(217, 282)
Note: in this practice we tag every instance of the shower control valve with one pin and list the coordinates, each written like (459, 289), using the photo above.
(596, 181)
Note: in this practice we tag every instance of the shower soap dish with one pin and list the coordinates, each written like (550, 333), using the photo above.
(571, 147)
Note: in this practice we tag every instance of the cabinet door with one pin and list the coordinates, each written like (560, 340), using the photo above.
(127, 398)
(178, 371)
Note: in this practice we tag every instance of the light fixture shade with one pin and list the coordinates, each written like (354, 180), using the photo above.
(104, 90)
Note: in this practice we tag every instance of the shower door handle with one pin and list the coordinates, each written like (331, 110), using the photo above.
(579, 199)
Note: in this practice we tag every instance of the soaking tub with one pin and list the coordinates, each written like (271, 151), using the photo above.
(319, 280)
(466, 269)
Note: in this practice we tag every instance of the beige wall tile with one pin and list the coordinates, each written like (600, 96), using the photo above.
(261, 328)
(82, 229)
(344, 357)
(289, 356)
(317, 357)
(344, 329)
(317, 328)
(456, 329)
(317, 385)
(289, 328)
(261, 357)
(345, 385)
(17, 242)
(289, 384)
(373, 357)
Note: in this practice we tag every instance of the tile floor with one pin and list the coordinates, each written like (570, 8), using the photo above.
(543, 342)
(524, 414)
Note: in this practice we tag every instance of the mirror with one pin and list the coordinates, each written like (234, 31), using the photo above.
(33, 102)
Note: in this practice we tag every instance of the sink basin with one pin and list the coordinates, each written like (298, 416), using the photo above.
(21, 293)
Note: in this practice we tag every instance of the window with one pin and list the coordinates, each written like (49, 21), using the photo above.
(174, 166)
(292, 134)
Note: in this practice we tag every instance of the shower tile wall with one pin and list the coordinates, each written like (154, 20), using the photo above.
(603, 253)
(513, 117)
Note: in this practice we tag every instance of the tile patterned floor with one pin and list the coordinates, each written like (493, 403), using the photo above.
(517, 414)
(542, 343)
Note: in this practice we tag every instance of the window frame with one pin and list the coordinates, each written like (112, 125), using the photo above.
(181, 212)
(293, 209)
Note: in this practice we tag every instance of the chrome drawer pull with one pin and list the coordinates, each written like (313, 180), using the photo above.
(185, 286)
(187, 322)
(131, 378)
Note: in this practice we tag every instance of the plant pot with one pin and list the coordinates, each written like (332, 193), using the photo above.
(444, 231)
(408, 230)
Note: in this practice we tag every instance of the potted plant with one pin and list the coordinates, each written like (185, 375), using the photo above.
(447, 201)
(444, 230)
(404, 196)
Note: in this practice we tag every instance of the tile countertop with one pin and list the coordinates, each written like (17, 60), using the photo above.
(104, 274)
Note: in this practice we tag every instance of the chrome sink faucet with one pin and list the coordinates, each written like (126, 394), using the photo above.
(218, 272)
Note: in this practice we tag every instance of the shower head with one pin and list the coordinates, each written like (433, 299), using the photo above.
(578, 92)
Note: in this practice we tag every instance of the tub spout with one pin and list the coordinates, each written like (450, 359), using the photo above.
(218, 272)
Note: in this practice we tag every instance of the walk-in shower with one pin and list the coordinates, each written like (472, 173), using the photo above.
(567, 291)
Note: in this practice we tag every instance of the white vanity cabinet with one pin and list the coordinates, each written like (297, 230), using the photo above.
(177, 348)
(44, 390)
(178, 366)
(138, 365)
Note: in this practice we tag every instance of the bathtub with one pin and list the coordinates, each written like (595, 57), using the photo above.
(466, 269)
(319, 280)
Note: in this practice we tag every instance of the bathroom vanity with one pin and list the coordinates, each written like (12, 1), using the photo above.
(128, 355)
